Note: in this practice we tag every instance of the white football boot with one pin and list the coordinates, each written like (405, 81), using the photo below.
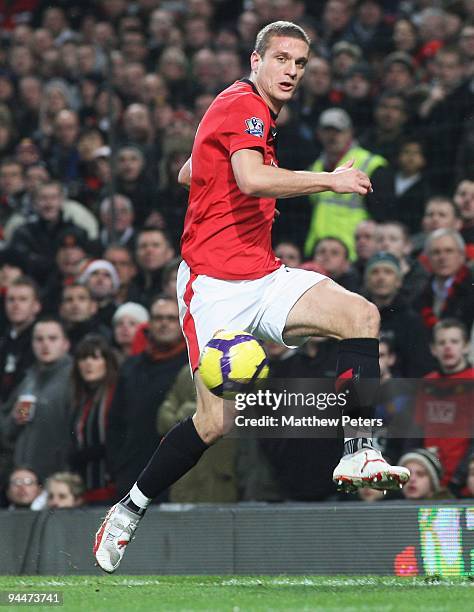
(114, 534)
(367, 468)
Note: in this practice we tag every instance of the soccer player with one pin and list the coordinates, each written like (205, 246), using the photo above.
(231, 279)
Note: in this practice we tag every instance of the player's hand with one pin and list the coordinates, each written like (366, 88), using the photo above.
(350, 180)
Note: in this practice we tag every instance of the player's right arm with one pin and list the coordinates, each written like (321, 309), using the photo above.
(256, 179)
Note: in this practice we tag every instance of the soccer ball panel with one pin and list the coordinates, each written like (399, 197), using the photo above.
(231, 361)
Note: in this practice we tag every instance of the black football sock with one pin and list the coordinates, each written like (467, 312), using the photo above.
(358, 373)
(177, 453)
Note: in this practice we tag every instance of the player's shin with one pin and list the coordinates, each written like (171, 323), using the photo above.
(358, 374)
(179, 451)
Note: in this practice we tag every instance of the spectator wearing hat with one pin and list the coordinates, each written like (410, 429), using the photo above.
(78, 311)
(390, 121)
(72, 257)
(344, 55)
(117, 217)
(394, 237)
(399, 322)
(125, 323)
(103, 282)
(449, 290)
(144, 380)
(399, 75)
(425, 476)
(22, 306)
(339, 214)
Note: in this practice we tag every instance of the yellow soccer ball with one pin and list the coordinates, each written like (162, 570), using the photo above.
(232, 362)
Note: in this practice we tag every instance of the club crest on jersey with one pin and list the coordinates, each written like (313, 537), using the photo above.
(255, 126)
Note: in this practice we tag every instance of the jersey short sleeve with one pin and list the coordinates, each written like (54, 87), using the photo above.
(247, 123)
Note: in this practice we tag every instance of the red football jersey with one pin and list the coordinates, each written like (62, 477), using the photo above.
(227, 234)
(445, 412)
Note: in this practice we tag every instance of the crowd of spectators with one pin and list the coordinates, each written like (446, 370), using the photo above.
(99, 103)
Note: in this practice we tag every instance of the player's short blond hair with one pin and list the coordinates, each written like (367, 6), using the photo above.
(279, 28)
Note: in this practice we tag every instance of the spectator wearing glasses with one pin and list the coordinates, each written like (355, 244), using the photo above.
(24, 490)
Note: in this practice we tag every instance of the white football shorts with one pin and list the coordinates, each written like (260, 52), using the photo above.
(259, 306)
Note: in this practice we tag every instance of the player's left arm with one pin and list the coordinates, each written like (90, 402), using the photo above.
(184, 175)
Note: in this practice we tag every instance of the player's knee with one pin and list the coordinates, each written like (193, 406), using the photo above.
(365, 319)
(209, 425)
(370, 320)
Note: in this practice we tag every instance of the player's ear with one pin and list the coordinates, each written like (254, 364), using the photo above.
(255, 59)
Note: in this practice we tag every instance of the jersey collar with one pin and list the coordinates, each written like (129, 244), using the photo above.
(255, 90)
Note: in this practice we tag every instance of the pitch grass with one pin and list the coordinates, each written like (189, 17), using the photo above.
(248, 594)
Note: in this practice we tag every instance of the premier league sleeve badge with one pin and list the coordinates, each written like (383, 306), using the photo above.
(255, 127)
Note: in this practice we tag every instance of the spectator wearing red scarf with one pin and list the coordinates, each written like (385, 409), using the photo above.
(450, 291)
(94, 378)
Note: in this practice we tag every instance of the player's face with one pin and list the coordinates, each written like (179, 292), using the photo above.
(278, 72)
(450, 349)
(419, 486)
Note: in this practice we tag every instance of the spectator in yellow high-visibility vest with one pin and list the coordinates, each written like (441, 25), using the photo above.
(338, 214)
